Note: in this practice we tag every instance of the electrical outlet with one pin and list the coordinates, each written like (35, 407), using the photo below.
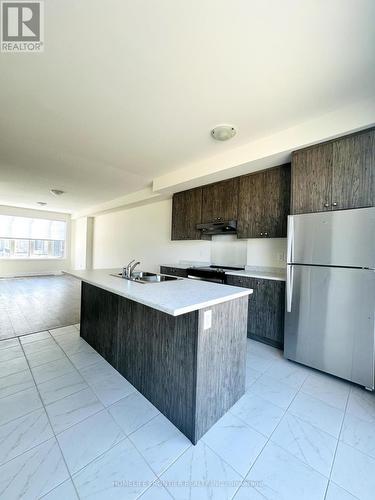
(207, 319)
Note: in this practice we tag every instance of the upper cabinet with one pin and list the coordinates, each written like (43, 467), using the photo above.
(335, 175)
(312, 179)
(219, 201)
(263, 203)
(353, 174)
(186, 213)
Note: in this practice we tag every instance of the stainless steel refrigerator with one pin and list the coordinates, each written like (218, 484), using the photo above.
(330, 299)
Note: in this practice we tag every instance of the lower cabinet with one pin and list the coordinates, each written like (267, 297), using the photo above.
(266, 309)
(99, 317)
(174, 271)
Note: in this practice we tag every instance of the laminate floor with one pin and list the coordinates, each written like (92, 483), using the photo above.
(39, 303)
(71, 427)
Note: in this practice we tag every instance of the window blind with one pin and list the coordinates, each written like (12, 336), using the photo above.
(13, 227)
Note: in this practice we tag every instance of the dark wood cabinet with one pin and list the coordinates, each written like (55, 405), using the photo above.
(263, 203)
(335, 175)
(191, 374)
(174, 271)
(250, 206)
(259, 202)
(276, 203)
(219, 201)
(186, 214)
(265, 321)
(312, 179)
(353, 174)
(99, 311)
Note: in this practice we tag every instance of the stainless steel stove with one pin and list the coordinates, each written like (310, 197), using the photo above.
(215, 274)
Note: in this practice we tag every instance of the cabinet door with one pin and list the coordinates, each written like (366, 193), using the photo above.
(186, 213)
(273, 297)
(250, 206)
(266, 309)
(354, 171)
(312, 179)
(256, 313)
(99, 321)
(276, 201)
(219, 201)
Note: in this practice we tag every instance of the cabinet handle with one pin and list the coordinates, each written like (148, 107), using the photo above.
(265, 234)
(261, 234)
(326, 205)
(334, 204)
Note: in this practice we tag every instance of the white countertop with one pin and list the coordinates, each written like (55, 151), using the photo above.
(179, 266)
(172, 297)
(257, 273)
(267, 273)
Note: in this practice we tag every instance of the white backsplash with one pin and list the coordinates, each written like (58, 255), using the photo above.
(227, 250)
(266, 252)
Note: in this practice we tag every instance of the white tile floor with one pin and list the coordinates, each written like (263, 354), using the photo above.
(72, 427)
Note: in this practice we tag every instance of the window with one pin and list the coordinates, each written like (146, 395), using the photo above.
(27, 238)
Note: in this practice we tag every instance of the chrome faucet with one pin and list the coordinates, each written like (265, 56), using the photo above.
(125, 270)
(128, 270)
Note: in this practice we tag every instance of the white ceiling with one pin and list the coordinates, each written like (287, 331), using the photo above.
(129, 90)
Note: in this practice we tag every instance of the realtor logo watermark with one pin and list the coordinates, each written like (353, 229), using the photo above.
(22, 26)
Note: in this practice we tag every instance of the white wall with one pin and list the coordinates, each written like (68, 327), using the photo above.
(143, 233)
(82, 243)
(266, 252)
(26, 267)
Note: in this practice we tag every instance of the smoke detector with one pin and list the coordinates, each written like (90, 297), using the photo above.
(223, 132)
(56, 192)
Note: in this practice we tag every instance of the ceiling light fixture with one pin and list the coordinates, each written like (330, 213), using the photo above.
(56, 192)
(223, 132)
(41, 203)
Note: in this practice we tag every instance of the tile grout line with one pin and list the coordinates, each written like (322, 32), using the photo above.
(338, 441)
(126, 436)
(158, 475)
(29, 449)
(56, 440)
(105, 408)
(269, 440)
(221, 458)
(21, 390)
(315, 398)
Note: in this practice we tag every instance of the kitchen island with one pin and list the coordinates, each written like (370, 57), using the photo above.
(181, 343)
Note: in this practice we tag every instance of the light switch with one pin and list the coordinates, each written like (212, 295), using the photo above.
(207, 319)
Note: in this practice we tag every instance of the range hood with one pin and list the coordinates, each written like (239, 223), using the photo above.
(218, 227)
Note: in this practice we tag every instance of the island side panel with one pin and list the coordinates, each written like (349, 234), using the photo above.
(157, 354)
(99, 321)
(221, 362)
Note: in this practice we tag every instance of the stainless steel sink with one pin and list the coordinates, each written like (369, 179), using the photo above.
(146, 277)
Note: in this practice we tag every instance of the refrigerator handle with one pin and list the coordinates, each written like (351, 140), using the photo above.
(290, 249)
(289, 287)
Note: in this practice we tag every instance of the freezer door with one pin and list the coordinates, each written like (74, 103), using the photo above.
(340, 238)
(329, 322)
